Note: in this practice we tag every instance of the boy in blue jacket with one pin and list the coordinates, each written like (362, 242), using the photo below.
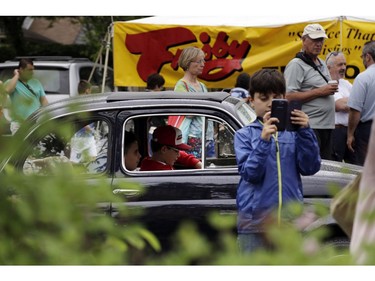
(270, 163)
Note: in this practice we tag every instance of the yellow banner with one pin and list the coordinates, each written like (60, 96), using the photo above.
(142, 49)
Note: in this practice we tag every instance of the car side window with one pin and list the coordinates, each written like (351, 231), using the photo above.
(224, 146)
(218, 145)
(81, 144)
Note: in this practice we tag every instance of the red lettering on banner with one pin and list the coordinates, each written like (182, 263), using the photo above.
(153, 47)
(222, 67)
(222, 59)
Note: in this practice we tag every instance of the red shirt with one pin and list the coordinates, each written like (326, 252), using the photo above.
(184, 159)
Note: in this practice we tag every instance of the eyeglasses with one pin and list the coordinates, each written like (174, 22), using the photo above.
(200, 61)
(335, 53)
(174, 149)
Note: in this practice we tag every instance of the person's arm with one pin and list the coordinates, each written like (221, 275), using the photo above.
(11, 84)
(354, 118)
(306, 96)
(43, 100)
(342, 105)
(188, 160)
(251, 154)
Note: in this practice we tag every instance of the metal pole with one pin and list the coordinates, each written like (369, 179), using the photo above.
(97, 59)
(107, 46)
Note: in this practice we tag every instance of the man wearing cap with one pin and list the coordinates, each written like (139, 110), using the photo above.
(167, 150)
(307, 79)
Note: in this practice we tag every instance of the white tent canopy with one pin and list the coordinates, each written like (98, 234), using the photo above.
(248, 21)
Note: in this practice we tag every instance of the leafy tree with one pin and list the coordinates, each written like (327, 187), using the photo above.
(60, 219)
(12, 27)
(94, 28)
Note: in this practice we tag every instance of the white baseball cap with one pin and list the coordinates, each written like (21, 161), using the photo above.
(314, 31)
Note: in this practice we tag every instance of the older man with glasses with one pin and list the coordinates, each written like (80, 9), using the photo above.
(336, 64)
(362, 105)
(307, 79)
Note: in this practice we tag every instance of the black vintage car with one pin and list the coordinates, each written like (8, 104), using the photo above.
(168, 197)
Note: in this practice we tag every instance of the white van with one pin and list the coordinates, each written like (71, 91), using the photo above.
(59, 76)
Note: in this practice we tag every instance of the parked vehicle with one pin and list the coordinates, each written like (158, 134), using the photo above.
(168, 197)
(60, 75)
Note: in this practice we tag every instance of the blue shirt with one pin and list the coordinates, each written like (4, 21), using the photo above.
(239, 93)
(258, 189)
(362, 95)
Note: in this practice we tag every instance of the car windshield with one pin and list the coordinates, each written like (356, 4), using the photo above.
(245, 113)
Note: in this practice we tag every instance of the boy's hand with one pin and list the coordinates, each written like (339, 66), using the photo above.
(299, 118)
(269, 126)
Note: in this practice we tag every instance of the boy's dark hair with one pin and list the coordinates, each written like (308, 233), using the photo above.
(24, 62)
(83, 85)
(130, 137)
(243, 81)
(155, 80)
(267, 81)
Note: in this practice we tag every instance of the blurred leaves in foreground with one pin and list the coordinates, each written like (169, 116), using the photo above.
(62, 220)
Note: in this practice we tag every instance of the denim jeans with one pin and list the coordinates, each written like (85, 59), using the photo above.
(250, 242)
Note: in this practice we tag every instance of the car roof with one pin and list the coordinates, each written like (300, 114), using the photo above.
(122, 96)
(113, 99)
(56, 61)
(50, 58)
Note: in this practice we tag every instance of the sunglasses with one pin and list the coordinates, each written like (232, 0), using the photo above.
(335, 53)
(174, 149)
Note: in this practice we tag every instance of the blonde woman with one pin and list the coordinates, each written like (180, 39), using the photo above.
(192, 62)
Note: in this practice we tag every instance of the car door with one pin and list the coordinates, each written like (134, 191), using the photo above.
(171, 197)
(78, 141)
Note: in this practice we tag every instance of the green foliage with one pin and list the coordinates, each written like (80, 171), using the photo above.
(61, 218)
(291, 246)
(94, 28)
(57, 220)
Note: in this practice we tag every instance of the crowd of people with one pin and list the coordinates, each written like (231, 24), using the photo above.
(334, 123)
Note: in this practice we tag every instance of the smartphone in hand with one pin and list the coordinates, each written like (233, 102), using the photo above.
(279, 109)
(293, 104)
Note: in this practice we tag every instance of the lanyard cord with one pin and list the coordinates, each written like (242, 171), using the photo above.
(279, 179)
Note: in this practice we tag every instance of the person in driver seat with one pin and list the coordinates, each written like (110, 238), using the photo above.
(167, 150)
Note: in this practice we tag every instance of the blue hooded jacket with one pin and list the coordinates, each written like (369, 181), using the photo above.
(258, 189)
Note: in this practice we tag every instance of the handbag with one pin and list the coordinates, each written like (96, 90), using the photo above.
(344, 203)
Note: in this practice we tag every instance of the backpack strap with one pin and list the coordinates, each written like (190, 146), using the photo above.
(28, 87)
(186, 86)
(307, 59)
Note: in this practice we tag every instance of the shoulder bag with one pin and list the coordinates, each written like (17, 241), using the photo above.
(344, 203)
